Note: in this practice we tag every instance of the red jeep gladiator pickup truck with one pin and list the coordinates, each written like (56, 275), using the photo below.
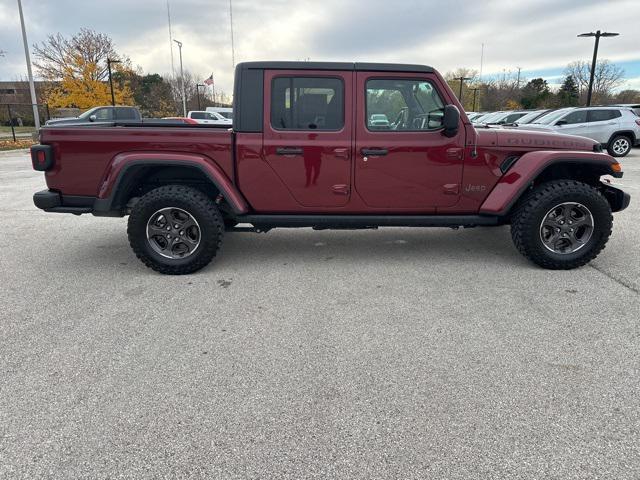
(331, 145)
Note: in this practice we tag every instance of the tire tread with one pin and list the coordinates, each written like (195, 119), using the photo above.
(190, 196)
(524, 215)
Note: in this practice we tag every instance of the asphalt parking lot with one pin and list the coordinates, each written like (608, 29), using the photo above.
(397, 353)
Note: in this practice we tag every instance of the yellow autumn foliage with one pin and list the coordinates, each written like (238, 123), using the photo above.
(83, 91)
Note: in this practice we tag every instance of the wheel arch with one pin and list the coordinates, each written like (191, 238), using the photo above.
(627, 133)
(129, 173)
(539, 167)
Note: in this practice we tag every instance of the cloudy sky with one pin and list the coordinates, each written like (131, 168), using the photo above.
(537, 35)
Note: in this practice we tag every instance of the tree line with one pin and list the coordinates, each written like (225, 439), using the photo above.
(510, 92)
(76, 75)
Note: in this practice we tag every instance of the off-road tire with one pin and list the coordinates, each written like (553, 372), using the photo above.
(532, 209)
(191, 200)
(614, 148)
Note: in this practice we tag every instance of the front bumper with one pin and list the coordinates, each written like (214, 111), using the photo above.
(617, 198)
(51, 201)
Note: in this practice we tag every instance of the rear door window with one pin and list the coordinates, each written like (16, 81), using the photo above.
(307, 103)
(126, 114)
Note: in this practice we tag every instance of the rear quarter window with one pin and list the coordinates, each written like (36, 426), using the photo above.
(603, 115)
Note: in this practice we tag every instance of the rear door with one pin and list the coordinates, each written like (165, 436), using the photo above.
(603, 124)
(407, 163)
(307, 133)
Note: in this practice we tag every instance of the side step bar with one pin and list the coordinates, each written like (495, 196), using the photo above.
(267, 222)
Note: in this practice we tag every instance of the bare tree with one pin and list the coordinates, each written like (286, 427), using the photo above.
(628, 96)
(2, 52)
(58, 57)
(606, 78)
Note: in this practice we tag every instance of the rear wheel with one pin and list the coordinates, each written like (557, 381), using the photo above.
(175, 229)
(562, 224)
(619, 146)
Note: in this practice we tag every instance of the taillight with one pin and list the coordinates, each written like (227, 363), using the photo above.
(638, 121)
(42, 157)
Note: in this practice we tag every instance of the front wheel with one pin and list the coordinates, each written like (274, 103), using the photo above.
(175, 229)
(562, 224)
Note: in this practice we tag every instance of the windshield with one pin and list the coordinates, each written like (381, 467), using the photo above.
(492, 117)
(551, 117)
(529, 117)
(88, 113)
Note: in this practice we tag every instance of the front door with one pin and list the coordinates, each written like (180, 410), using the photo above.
(307, 134)
(574, 123)
(402, 158)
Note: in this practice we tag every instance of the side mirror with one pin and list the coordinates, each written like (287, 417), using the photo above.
(93, 118)
(559, 123)
(450, 120)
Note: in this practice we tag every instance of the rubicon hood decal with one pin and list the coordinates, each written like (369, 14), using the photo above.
(533, 139)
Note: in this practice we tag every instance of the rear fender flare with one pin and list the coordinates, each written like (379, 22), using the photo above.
(527, 168)
(124, 162)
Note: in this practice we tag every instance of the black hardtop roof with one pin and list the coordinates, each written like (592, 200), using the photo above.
(369, 67)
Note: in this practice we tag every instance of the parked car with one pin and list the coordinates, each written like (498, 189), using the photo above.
(300, 154)
(379, 120)
(633, 106)
(531, 116)
(186, 120)
(225, 112)
(478, 118)
(505, 118)
(488, 118)
(616, 128)
(101, 114)
(209, 118)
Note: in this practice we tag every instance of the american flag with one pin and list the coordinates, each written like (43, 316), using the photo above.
(209, 81)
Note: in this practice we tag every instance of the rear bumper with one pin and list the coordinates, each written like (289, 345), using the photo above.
(51, 201)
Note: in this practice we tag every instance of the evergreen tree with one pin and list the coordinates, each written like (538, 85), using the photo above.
(535, 94)
(569, 94)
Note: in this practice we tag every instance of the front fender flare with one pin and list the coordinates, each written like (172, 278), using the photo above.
(525, 170)
(123, 162)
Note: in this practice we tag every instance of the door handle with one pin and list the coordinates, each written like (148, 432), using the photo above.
(374, 152)
(289, 151)
(341, 153)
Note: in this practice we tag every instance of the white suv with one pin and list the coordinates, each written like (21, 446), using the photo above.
(616, 128)
(209, 118)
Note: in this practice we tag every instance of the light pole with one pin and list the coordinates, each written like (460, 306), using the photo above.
(198, 85)
(32, 88)
(475, 91)
(184, 95)
(462, 79)
(598, 34)
(109, 62)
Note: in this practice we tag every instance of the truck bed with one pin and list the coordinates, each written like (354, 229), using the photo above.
(89, 150)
